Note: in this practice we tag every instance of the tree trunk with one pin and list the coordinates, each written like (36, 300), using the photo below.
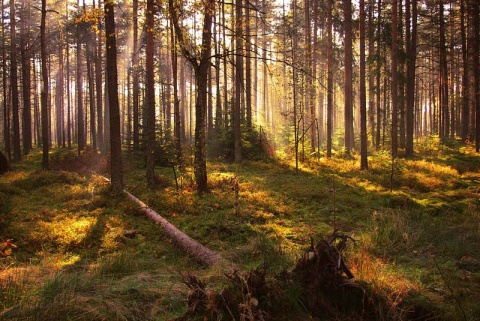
(411, 61)
(238, 80)
(476, 71)
(91, 95)
(176, 103)
(329, 78)
(113, 105)
(394, 72)
(44, 93)
(371, 74)
(79, 84)
(6, 110)
(150, 95)
(465, 75)
(26, 83)
(98, 86)
(378, 76)
(200, 65)
(14, 84)
(248, 68)
(363, 93)
(198, 251)
(445, 123)
(349, 138)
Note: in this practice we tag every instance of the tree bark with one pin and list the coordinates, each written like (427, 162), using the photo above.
(465, 75)
(363, 93)
(238, 80)
(445, 122)
(6, 110)
(476, 31)
(14, 84)
(394, 75)
(113, 105)
(200, 65)
(26, 81)
(198, 251)
(98, 86)
(329, 78)
(349, 138)
(79, 84)
(44, 93)
(150, 95)
(411, 63)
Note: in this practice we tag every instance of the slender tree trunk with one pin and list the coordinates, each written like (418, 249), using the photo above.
(136, 118)
(113, 105)
(476, 35)
(98, 86)
(310, 89)
(349, 138)
(79, 85)
(59, 97)
(394, 75)
(445, 132)
(371, 75)
(401, 78)
(378, 78)
(363, 92)
(248, 67)
(411, 63)
(329, 78)
(465, 75)
(91, 97)
(14, 84)
(44, 93)
(6, 110)
(200, 65)
(26, 81)
(176, 102)
(150, 95)
(238, 80)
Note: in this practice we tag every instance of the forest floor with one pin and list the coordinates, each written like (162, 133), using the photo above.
(70, 250)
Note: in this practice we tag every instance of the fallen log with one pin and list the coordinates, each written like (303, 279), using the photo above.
(200, 252)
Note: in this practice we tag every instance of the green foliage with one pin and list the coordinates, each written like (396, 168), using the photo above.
(255, 145)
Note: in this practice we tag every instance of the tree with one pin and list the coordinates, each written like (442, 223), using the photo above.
(200, 65)
(329, 77)
(363, 93)
(237, 133)
(348, 56)
(394, 75)
(150, 96)
(6, 110)
(476, 71)
(411, 37)
(465, 74)
(113, 105)
(79, 85)
(445, 119)
(44, 93)
(136, 118)
(14, 84)
(26, 80)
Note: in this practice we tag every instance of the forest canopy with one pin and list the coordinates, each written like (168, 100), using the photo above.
(296, 78)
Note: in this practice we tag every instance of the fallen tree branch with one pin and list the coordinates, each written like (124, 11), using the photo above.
(197, 250)
(200, 252)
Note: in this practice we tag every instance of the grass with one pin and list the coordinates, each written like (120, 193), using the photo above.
(417, 245)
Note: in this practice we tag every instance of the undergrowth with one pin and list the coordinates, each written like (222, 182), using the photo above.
(72, 250)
